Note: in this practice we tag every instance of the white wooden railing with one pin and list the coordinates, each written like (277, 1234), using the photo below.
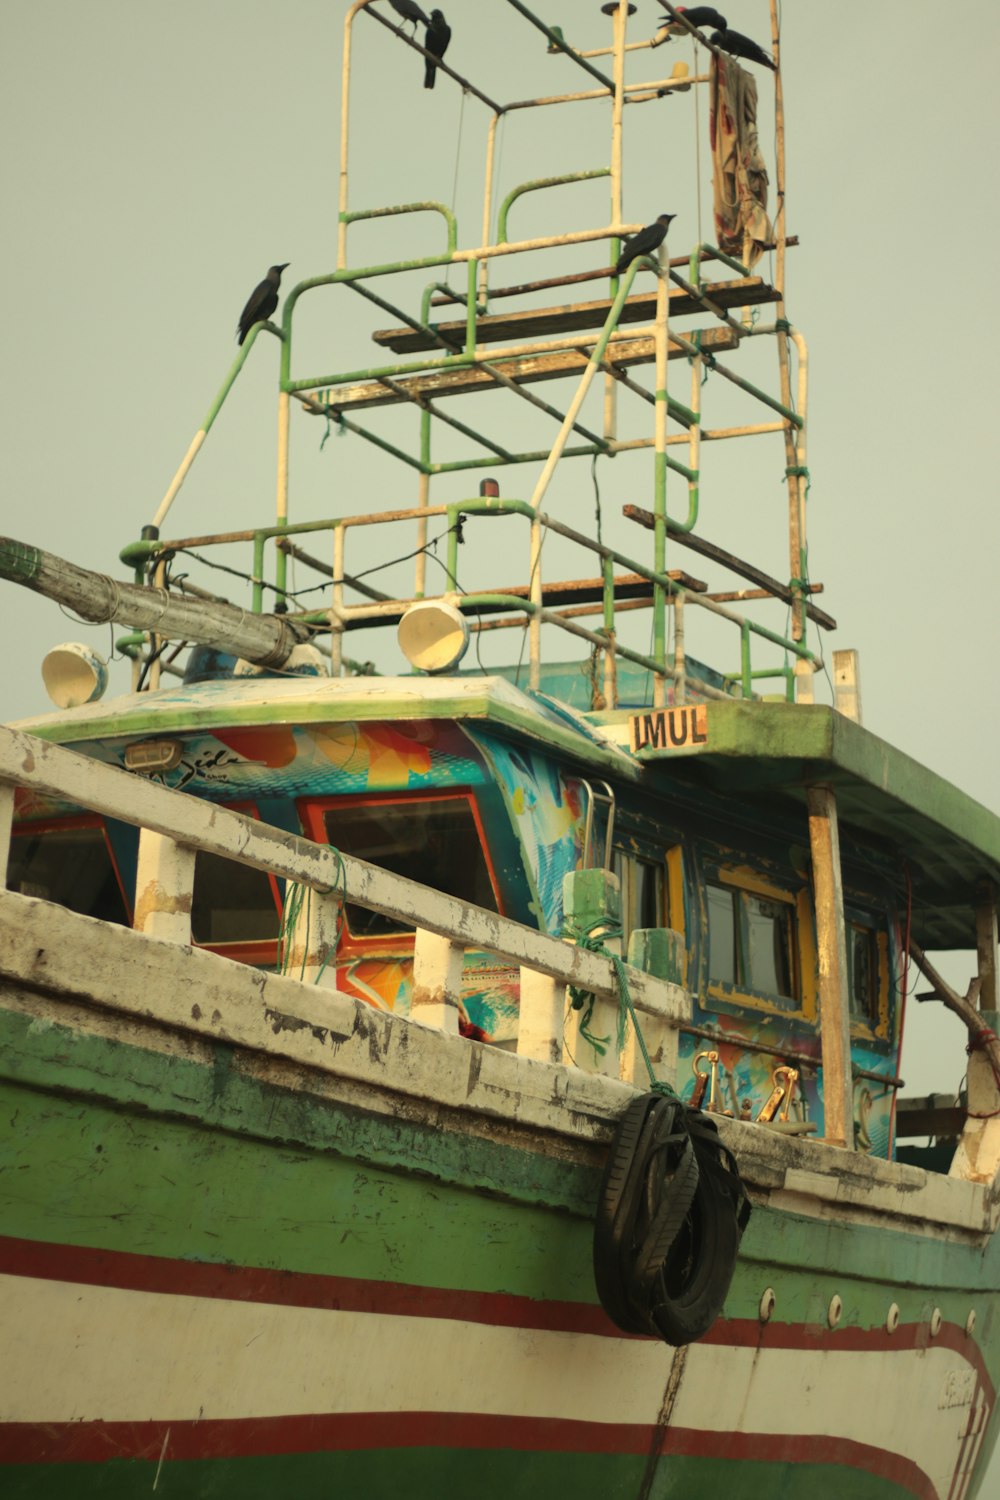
(174, 826)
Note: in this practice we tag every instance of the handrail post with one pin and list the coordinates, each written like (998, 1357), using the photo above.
(164, 888)
(312, 948)
(437, 981)
(541, 1017)
(831, 946)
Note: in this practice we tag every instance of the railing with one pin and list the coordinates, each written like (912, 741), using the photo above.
(462, 351)
(174, 827)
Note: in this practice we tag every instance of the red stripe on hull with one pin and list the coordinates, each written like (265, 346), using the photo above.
(102, 1442)
(190, 1278)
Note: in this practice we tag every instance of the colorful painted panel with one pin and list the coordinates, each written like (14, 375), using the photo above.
(294, 760)
(546, 810)
(490, 991)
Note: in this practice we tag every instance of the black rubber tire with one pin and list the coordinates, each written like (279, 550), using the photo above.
(672, 1179)
(692, 1287)
(646, 1191)
(616, 1209)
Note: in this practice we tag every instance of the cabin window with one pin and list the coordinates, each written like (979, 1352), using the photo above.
(233, 903)
(434, 840)
(234, 906)
(868, 976)
(862, 969)
(753, 942)
(642, 892)
(70, 864)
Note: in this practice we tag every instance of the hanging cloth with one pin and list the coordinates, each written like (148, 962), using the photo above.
(742, 227)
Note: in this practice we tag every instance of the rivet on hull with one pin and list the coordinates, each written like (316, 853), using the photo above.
(834, 1311)
(892, 1318)
(767, 1303)
(935, 1322)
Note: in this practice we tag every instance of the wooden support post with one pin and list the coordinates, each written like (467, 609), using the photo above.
(986, 948)
(831, 943)
(541, 1019)
(847, 684)
(437, 981)
(164, 888)
(6, 821)
(313, 947)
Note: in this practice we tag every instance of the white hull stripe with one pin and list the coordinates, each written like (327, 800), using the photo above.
(80, 1353)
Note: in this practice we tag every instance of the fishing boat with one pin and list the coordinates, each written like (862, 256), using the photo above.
(449, 1078)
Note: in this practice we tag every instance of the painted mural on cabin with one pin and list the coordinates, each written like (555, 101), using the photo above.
(546, 809)
(488, 1006)
(282, 760)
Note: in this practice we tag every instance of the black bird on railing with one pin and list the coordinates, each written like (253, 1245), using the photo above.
(261, 302)
(410, 11)
(699, 15)
(436, 41)
(742, 46)
(645, 242)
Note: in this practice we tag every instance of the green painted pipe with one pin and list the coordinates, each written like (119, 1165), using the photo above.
(536, 186)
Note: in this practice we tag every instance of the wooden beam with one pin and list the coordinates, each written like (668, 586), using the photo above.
(728, 560)
(741, 291)
(926, 1117)
(577, 596)
(831, 951)
(599, 274)
(466, 379)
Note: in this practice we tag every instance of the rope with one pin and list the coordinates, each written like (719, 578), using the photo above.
(298, 896)
(593, 939)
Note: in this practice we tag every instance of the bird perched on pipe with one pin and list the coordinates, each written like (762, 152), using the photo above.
(742, 46)
(410, 11)
(699, 15)
(645, 242)
(261, 302)
(436, 41)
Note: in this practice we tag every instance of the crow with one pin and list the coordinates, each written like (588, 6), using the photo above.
(699, 15)
(261, 302)
(643, 243)
(410, 11)
(436, 41)
(741, 46)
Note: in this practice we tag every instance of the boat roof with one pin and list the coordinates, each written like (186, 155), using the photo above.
(949, 842)
(769, 753)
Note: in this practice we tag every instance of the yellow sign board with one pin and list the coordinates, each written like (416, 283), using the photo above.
(670, 728)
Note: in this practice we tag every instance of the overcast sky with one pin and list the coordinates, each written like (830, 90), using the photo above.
(156, 159)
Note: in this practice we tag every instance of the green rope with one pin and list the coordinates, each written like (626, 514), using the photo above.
(594, 941)
(341, 426)
(782, 325)
(297, 896)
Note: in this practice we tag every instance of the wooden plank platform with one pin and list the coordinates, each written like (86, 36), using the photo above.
(718, 554)
(465, 379)
(535, 323)
(628, 587)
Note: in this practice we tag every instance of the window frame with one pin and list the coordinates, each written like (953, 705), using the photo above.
(745, 880)
(623, 864)
(861, 1027)
(312, 812)
(261, 953)
(69, 823)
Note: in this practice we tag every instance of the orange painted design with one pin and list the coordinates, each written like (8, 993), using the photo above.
(272, 747)
(388, 755)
